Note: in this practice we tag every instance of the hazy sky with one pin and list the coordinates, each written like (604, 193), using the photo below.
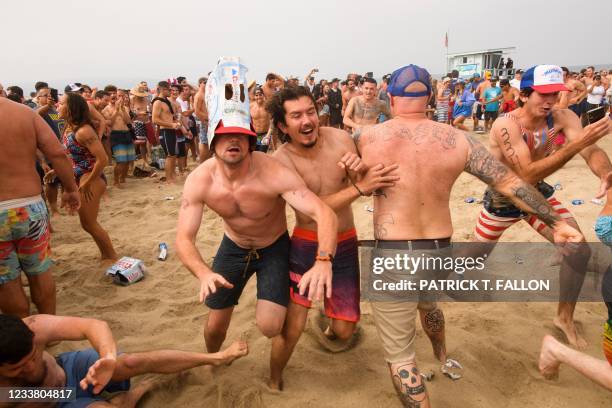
(123, 41)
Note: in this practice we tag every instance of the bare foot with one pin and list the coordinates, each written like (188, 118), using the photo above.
(329, 333)
(319, 326)
(118, 185)
(239, 348)
(571, 333)
(107, 262)
(146, 385)
(548, 363)
(275, 385)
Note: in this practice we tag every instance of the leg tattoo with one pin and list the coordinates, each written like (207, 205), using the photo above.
(409, 385)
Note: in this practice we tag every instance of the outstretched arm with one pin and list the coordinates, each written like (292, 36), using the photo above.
(298, 196)
(318, 280)
(517, 153)
(487, 168)
(348, 115)
(597, 160)
(189, 220)
(49, 328)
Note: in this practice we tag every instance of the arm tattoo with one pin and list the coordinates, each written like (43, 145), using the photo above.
(536, 203)
(483, 164)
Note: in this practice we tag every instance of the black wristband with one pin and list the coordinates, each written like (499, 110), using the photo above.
(357, 188)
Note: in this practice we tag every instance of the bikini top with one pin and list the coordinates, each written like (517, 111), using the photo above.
(548, 136)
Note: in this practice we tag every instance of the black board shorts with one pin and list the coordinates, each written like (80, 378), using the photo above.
(237, 265)
(167, 138)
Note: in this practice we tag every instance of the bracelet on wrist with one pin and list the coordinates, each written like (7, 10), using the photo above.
(357, 188)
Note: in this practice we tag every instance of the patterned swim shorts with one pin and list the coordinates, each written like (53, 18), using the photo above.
(24, 238)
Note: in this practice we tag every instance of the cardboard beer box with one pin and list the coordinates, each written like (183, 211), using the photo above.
(127, 271)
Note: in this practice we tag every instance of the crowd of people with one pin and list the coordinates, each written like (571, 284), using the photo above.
(317, 146)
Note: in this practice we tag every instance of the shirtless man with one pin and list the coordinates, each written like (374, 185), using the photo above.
(182, 132)
(185, 100)
(588, 77)
(272, 85)
(46, 109)
(24, 222)
(199, 106)
(100, 101)
(574, 98)
(415, 215)
(525, 141)
(510, 96)
(163, 115)
(325, 158)
(249, 190)
(261, 120)
(25, 363)
(349, 93)
(365, 109)
(122, 146)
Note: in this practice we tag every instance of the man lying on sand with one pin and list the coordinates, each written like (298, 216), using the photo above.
(248, 190)
(324, 157)
(25, 363)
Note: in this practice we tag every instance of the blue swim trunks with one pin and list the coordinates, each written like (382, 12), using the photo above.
(203, 136)
(75, 365)
(603, 229)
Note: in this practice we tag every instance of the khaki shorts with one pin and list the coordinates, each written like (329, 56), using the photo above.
(395, 319)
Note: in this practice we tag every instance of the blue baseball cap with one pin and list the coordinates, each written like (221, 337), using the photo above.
(476, 75)
(403, 77)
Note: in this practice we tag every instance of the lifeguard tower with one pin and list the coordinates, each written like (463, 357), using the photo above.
(469, 63)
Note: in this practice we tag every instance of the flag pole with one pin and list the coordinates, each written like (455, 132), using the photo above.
(447, 32)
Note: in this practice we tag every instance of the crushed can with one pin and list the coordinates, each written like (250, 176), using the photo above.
(127, 271)
(163, 251)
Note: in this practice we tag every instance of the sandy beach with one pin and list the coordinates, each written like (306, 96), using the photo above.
(497, 343)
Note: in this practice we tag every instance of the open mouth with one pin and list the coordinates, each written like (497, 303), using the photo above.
(307, 131)
(234, 149)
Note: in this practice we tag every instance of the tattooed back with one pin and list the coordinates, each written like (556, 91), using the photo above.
(431, 156)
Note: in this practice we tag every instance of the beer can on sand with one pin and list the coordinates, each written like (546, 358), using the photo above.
(127, 271)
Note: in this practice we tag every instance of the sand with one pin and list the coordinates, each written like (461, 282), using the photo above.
(497, 343)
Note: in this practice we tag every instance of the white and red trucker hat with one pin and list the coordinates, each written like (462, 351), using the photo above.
(543, 79)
